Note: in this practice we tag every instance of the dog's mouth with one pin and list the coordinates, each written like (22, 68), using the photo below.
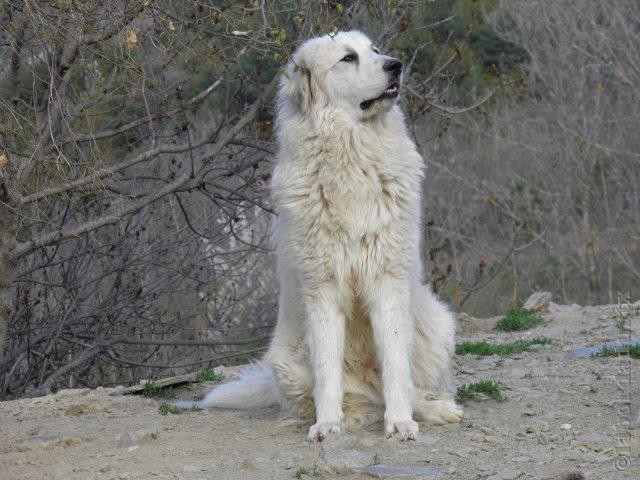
(392, 91)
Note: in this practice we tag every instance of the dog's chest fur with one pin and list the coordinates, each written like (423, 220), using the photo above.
(349, 201)
(358, 194)
(352, 187)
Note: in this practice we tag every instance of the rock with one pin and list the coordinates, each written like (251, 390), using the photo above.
(487, 430)
(336, 461)
(505, 475)
(488, 363)
(593, 438)
(538, 302)
(565, 426)
(381, 471)
(536, 426)
(588, 352)
(466, 371)
(131, 439)
(572, 476)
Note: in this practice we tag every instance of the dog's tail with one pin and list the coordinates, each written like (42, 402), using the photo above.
(254, 387)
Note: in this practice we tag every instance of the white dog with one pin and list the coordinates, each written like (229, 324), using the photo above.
(356, 330)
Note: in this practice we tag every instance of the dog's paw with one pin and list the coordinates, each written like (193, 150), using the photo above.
(403, 429)
(321, 430)
(439, 412)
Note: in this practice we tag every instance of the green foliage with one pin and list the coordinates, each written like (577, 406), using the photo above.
(154, 391)
(518, 319)
(300, 472)
(168, 409)
(505, 349)
(490, 388)
(632, 350)
(208, 375)
(460, 31)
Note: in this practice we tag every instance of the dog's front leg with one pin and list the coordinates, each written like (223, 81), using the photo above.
(325, 337)
(393, 334)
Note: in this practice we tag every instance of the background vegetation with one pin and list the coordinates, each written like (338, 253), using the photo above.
(135, 151)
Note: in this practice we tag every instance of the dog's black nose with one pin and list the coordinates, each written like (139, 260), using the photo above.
(394, 66)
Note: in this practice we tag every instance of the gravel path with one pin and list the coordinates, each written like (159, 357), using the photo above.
(560, 419)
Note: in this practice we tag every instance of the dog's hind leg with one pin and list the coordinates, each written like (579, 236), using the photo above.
(288, 355)
(434, 325)
(436, 411)
(295, 385)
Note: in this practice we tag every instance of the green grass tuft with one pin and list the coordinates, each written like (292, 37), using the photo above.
(489, 388)
(484, 349)
(300, 472)
(518, 319)
(632, 350)
(168, 409)
(154, 391)
(208, 375)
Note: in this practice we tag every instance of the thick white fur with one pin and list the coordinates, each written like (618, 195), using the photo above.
(357, 331)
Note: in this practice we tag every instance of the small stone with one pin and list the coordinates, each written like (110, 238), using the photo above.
(337, 461)
(538, 302)
(535, 426)
(565, 426)
(522, 459)
(130, 439)
(505, 475)
(572, 476)
(381, 471)
(133, 448)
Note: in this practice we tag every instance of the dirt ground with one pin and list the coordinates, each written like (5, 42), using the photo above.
(561, 419)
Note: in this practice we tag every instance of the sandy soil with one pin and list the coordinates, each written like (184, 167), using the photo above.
(560, 420)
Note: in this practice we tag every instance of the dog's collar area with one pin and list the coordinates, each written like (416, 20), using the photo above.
(392, 91)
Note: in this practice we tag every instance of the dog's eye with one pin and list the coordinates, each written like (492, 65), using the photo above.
(376, 50)
(352, 57)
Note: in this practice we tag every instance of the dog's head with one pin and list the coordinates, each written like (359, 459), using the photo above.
(344, 71)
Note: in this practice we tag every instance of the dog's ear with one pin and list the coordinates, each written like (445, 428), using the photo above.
(298, 85)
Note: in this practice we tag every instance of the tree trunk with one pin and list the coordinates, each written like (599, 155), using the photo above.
(9, 226)
(6, 275)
